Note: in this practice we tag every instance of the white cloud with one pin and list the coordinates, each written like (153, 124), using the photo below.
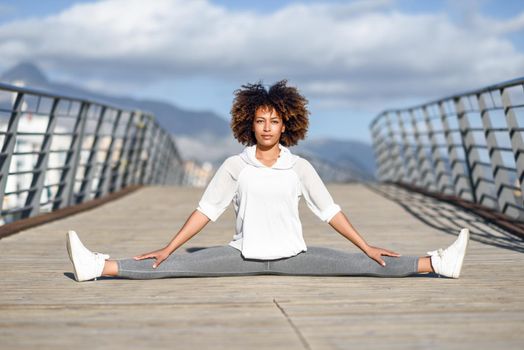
(351, 54)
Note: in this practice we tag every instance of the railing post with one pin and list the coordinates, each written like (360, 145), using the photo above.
(165, 160)
(460, 183)
(132, 151)
(9, 144)
(425, 163)
(376, 151)
(65, 190)
(480, 192)
(181, 169)
(137, 156)
(500, 174)
(39, 176)
(87, 180)
(443, 181)
(175, 173)
(123, 162)
(515, 135)
(169, 166)
(106, 173)
(381, 150)
(153, 153)
(409, 158)
(158, 158)
(178, 172)
(396, 158)
(146, 151)
(77, 155)
(169, 160)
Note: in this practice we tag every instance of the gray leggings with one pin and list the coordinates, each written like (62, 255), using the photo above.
(228, 261)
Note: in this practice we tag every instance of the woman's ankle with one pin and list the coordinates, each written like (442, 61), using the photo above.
(424, 265)
(110, 268)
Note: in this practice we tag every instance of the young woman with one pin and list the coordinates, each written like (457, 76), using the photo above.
(265, 183)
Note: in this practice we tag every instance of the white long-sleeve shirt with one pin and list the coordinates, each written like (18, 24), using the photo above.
(266, 202)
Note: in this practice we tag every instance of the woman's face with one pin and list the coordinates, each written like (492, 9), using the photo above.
(267, 126)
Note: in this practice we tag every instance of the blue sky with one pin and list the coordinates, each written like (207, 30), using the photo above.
(350, 58)
(23, 8)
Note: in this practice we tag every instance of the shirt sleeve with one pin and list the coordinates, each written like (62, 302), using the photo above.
(218, 194)
(315, 193)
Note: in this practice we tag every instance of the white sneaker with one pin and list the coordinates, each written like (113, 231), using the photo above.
(448, 262)
(86, 264)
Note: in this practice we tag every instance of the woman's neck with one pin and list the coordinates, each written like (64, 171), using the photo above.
(267, 153)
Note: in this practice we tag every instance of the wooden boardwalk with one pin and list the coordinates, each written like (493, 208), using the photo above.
(41, 307)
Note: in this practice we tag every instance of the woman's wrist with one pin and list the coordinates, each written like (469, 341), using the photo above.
(365, 248)
(169, 249)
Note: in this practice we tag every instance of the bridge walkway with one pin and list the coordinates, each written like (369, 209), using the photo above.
(42, 307)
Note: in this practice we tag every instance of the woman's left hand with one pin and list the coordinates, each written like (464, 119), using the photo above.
(375, 253)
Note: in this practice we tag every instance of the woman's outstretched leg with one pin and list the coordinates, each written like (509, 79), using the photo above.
(213, 261)
(320, 261)
(326, 261)
(207, 262)
(112, 267)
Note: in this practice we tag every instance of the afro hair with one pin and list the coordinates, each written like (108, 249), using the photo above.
(288, 103)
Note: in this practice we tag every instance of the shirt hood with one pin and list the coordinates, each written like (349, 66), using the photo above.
(286, 159)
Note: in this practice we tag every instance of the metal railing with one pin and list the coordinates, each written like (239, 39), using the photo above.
(468, 145)
(59, 151)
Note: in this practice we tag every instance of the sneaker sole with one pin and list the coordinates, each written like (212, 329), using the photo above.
(458, 267)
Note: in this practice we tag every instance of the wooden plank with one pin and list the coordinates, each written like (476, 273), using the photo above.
(141, 326)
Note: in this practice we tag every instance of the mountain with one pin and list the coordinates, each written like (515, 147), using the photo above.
(26, 72)
(184, 122)
(342, 153)
(205, 136)
(174, 119)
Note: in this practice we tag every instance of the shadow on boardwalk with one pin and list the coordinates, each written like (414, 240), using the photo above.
(449, 218)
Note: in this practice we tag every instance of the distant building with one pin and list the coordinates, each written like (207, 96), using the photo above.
(197, 174)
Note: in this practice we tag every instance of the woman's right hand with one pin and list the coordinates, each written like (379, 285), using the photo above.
(159, 256)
